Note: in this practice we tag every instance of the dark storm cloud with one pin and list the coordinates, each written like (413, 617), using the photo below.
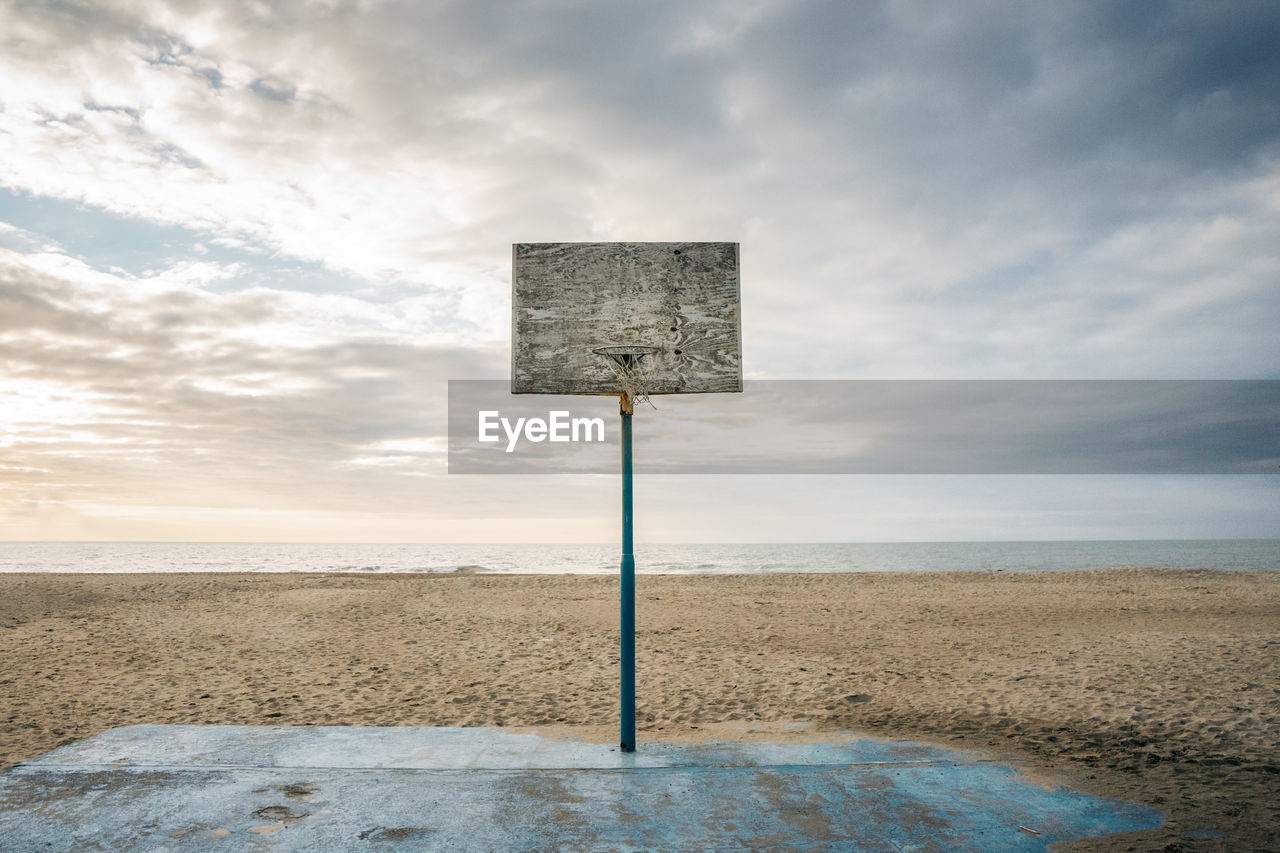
(1181, 85)
(1195, 83)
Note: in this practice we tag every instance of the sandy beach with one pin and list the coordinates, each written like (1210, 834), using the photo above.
(1155, 686)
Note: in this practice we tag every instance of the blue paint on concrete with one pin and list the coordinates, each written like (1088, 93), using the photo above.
(348, 788)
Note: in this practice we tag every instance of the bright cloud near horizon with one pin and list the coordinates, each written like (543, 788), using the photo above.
(243, 246)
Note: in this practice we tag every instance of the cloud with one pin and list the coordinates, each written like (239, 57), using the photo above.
(250, 233)
(121, 390)
(977, 191)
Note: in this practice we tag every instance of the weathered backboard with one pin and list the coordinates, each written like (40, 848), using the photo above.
(571, 298)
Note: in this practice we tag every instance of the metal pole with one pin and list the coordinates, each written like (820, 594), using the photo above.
(628, 623)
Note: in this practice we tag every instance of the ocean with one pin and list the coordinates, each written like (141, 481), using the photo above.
(749, 558)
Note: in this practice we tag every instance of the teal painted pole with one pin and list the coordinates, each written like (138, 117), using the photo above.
(628, 622)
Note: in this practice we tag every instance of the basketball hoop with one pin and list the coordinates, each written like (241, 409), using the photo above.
(628, 364)
(568, 297)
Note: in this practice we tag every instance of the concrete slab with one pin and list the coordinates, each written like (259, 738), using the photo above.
(348, 788)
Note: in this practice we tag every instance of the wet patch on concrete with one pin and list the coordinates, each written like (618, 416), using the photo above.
(399, 833)
(297, 791)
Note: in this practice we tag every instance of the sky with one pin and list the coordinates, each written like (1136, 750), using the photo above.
(245, 246)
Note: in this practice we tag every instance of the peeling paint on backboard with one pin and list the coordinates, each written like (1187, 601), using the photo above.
(571, 298)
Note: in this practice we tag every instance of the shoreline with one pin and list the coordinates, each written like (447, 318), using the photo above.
(1154, 685)
(651, 558)
(468, 571)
